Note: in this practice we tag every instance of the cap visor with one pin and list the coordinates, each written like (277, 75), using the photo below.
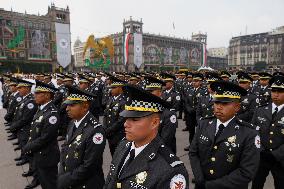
(127, 114)
(69, 102)
(225, 100)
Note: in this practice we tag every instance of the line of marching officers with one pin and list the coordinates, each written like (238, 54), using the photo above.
(236, 129)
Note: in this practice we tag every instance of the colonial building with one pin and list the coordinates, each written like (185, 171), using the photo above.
(218, 52)
(247, 52)
(158, 52)
(28, 42)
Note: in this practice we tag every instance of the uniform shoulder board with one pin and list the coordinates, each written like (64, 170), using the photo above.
(208, 117)
(171, 158)
(246, 124)
(262, 105)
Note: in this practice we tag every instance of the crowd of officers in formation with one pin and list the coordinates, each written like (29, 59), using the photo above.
(236, 128)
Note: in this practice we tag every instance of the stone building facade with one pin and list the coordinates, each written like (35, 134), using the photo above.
(245, 52)
(159, 52)
(27, 39)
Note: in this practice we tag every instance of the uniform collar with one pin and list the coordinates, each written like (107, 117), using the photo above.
(26, 95)
(279, 107)
(44, 105)
(168, 91)
(116, 97)
(77, 123)
(225, 123)
(139, 149)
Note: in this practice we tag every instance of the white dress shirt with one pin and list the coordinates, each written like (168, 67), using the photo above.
(225, 124)
(279, 107)
(42, 106)
(77, 123)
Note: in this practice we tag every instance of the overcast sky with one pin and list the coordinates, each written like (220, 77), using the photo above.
(220, 19)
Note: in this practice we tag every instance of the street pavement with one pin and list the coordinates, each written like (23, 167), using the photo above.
(10, 174)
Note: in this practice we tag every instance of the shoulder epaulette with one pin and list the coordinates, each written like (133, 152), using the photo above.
(170, 158)
(246, 124)
(208, 117)
(262, 105)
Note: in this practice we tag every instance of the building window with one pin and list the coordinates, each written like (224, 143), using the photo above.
(30, 24)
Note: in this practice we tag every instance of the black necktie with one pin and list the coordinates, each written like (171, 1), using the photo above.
(130, 159)
(221, 128)
(74, 130)
(275, 113)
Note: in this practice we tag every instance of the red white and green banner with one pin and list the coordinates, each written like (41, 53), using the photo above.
(126, 47)
(204, 55)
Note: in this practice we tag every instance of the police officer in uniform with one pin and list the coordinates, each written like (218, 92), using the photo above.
(180, 86)
(14, 99)
(248, 102)
(255, 82)
(225, 150)
(21, 123)
(225, 75)
(47, 79)
(205, 104)
(113, 122)
(81, 156)
(143, 160)
(169, 122)
(42, 143)
(191, 102)
(269, 120)
(64, 119)
(170, 94)
(106, 92)
(262, 91)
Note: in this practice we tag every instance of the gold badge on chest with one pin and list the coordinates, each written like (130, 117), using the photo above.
(78, 137)
(232, 139)
(230, 158)
(141, 177)
(282, 131)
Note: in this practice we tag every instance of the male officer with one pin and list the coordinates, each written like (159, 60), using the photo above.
(169, 122)
(133, 80)
(191, 102)
(14, 99)
(82, 154)
(26, 109)
(113, 122)
(180, 86)
(170, 94)
(42, 143)
(224, 152)
(142, 160)
(255, 82)
(248, 102)
(47, 79)
(262, 91)
(205, 104)
(225, 75)
(270, 121)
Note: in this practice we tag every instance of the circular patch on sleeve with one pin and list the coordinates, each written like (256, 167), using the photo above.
(31, 106)
(173, 119)
(178, 182)
(98, 138)
(177, 97)
(52, 120)
(257, 141)
(19, 99)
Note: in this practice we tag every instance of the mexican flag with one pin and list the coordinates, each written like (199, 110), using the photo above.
(126, 47)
